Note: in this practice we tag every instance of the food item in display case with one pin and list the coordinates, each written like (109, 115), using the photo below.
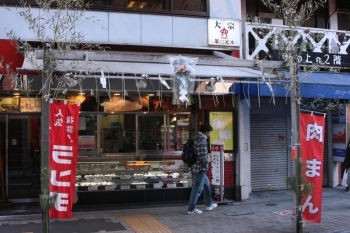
(139, 165)
(138, 176)
(158, 185)
(175, 175)
(171, 185)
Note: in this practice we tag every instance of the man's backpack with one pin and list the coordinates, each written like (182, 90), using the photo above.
(189, 156)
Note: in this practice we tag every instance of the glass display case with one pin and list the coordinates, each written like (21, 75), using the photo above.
(112, 173)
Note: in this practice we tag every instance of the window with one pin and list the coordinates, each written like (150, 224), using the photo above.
(87, 132)
(183, 7)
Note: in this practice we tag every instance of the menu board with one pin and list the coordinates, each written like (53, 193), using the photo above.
(222, 134)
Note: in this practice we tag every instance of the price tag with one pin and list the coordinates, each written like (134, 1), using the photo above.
(140, 186)
(84, 169)
(110, 187)
(124, 186)
(97, 169)
(97, 180)
(93, 188)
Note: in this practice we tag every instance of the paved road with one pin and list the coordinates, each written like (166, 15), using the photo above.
(264, 212)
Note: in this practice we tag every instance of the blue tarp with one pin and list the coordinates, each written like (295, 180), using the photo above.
(315, 85)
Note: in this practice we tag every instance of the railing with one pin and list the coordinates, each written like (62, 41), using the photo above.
(264, 38)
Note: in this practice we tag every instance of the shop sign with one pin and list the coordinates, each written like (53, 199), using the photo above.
(312, 128)
(222, 134)
(339, 126)
(9, 104)
(217, 171)
(224, 32)
(310, 58)
(30, 105)
(86, 142)
(64, 123)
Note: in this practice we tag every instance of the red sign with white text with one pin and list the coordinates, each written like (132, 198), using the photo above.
(311, 146)
(64, 126)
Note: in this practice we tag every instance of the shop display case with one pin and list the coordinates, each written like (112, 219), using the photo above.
(102, 174)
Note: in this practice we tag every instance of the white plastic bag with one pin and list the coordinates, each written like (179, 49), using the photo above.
(344, 182)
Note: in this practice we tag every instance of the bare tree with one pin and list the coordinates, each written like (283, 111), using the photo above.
(55, 26)
(294, 14)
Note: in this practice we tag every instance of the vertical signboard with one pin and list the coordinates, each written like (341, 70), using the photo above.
(222, 134)
(347, 125)
(339, 133)
(217, 171)
(311, 148)
(64, 125)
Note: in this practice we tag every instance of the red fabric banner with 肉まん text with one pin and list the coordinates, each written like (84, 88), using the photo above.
(312, 129)
(64, 123)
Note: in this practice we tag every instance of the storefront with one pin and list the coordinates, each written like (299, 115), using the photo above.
(132, 130)
(270, 126)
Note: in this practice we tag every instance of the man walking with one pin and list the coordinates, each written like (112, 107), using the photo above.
(200, 181)
(346, 165)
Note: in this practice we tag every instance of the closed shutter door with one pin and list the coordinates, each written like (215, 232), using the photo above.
(269, 144)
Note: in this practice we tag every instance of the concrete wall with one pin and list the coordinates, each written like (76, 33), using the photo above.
(132, 28)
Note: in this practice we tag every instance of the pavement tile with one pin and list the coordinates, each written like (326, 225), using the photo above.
(257, 214)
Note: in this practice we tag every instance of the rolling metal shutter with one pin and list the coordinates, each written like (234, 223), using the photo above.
(269, 129)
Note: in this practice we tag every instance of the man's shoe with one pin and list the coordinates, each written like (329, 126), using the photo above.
(213, 206)
(195, 211)
(347, 189)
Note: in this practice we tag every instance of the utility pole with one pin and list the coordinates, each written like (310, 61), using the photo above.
(295, 121)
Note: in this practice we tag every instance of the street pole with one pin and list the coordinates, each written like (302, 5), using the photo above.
(295, 118)
(45, 101)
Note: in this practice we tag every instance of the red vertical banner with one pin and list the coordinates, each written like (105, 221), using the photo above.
(312, 129)
(64, 123)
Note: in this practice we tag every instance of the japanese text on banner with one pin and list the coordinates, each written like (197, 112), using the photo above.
(64, 123)
(312, 146)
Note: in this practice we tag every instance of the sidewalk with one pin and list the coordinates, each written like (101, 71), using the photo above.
(263, 212)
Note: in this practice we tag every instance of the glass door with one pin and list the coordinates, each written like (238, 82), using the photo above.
(150, 136)
(23, 157)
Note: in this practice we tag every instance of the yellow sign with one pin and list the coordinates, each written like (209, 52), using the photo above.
(222, 134)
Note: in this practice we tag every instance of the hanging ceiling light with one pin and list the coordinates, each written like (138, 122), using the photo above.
(210, 86)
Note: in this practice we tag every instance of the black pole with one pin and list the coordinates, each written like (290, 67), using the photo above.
(45, 101)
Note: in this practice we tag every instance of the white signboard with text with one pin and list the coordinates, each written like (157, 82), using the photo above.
(224, 32)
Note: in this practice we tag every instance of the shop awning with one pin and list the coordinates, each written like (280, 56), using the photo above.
(314, 85)
(138, 68)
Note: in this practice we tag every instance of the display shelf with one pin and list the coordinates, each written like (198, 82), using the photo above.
(99, 175)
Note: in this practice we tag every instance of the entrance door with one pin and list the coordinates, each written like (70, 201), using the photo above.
(23, 158)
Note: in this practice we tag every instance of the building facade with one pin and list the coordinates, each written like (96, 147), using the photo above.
(145, 40)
